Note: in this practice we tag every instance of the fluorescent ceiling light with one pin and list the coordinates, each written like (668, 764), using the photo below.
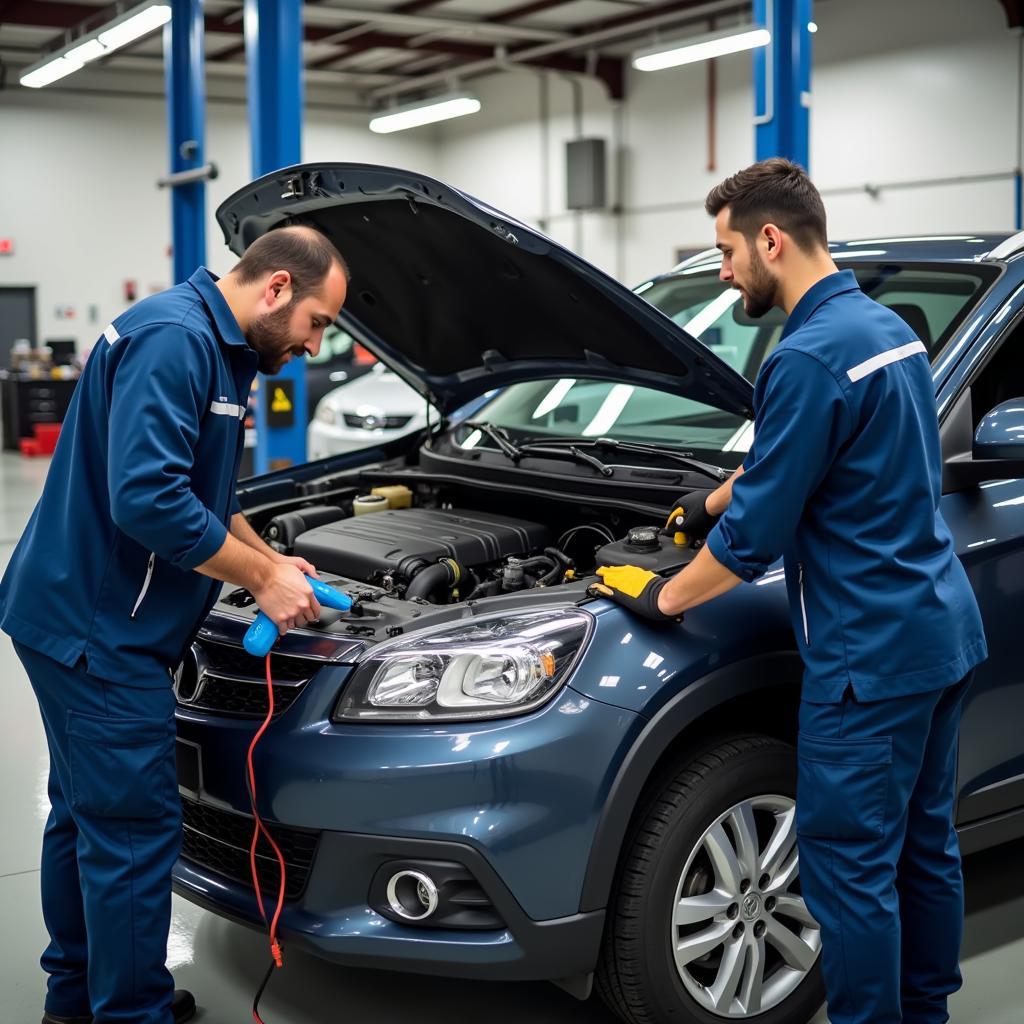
(91, 50)
(715, 44)
(138, 22)
(440, 108)
(135, 26)
(51, 71)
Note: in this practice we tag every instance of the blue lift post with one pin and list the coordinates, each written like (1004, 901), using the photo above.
(184, 44)
(273, 49)
(782, 81)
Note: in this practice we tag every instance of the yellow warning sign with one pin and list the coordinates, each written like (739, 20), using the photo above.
(280, 401)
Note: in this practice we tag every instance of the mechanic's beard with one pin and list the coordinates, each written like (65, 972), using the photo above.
(270, 339)
(761, 289)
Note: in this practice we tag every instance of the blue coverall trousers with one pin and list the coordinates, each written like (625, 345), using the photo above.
(112, 837)
(879, 859)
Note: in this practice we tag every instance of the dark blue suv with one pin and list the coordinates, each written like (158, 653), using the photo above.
(482, 771)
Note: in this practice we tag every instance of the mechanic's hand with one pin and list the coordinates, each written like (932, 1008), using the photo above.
(306, 568)
(634, 588)
(690, 515)
(287, 598)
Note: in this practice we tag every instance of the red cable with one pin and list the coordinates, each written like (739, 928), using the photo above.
(260, 829)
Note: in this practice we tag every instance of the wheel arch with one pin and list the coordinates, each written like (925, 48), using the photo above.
(698, 716)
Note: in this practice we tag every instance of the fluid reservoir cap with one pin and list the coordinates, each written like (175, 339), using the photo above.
(643, 538)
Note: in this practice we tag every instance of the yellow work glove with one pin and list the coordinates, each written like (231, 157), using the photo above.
(634, 588)
(690, 515)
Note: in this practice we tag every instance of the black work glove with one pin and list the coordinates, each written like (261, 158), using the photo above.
(634, 588)
(690, 515)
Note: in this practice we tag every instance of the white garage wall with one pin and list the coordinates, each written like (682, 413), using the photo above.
(78, 193)
(913, 91)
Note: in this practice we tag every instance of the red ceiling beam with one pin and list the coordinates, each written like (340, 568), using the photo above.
(60, 16)
(1014, 12)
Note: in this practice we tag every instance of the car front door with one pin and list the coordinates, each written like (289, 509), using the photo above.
(987, 522)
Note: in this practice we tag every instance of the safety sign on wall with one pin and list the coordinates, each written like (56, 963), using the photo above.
(282, 404)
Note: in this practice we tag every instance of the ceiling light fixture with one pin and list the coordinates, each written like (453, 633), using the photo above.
(135, 23)
(413, 115)
(714, 44)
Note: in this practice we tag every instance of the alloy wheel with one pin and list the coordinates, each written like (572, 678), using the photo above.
(742, 937)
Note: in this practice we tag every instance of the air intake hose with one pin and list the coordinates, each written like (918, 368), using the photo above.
(442, 575)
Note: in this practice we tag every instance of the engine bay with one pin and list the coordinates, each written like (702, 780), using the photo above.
(407, 549)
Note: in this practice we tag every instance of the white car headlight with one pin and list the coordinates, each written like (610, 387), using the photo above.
(485, 668)
(325, 414)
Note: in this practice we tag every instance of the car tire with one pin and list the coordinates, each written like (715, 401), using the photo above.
(676, 852)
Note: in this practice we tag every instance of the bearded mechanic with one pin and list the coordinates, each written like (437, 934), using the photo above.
(120, 563)
(843, 480)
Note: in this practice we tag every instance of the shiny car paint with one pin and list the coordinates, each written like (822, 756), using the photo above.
(542, 802)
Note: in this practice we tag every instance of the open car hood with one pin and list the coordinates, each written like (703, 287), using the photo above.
(458, 298)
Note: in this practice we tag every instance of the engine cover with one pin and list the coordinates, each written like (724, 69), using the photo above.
(368, 545)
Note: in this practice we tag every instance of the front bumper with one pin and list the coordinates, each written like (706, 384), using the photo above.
(515, 801)
(333, 921)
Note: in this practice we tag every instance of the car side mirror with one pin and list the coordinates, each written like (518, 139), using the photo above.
(1000, 434)
(996, 451)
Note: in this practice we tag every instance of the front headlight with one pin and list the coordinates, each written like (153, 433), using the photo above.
(486, 668)
(325, 414)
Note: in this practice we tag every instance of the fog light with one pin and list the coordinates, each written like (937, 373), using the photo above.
(412, 895)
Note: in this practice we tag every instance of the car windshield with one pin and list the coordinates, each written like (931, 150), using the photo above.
(932, 299)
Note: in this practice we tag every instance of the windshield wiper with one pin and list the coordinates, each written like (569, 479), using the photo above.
(497, 435)
(715, 472)
(639, 448)
(537, 448)
(516, 452)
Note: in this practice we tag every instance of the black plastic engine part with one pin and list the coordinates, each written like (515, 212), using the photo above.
(435, 579)
(283, 529)
(666, 556)
(408, 540)
(643, 538)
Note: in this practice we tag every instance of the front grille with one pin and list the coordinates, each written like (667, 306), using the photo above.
(357, 422)
(237, 661)
(248, 699)
(219, 841)
(230, 681)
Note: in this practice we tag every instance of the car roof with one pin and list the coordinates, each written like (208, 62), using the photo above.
(964, 248)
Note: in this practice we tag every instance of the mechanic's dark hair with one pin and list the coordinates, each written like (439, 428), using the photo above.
(774, 191)
(306, 253)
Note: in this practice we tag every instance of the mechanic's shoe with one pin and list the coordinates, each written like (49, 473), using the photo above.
(183, 1007)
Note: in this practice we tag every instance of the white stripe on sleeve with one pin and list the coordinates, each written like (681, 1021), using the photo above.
(227, 409)
(894, 355)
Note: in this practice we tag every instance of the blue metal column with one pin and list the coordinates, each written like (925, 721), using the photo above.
(186, 119)
(273, 47)
(782, 81)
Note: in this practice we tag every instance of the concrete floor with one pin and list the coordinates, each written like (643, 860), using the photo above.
(222, 963)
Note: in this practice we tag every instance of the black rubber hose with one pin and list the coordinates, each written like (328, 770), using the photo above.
(536, 562)
(562, 563)
(488, 588)
(444, 574)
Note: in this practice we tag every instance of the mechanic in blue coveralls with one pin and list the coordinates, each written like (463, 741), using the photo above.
(120, 563)
(843, 480)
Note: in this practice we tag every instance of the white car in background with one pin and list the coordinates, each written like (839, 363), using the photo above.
(373, 409)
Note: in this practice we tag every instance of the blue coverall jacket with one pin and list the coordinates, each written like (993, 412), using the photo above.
(140, 491)
(844, 479)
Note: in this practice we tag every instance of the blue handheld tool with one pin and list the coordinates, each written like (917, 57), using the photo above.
(262, 634)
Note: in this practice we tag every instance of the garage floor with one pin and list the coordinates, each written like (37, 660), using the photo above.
(222, 962)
